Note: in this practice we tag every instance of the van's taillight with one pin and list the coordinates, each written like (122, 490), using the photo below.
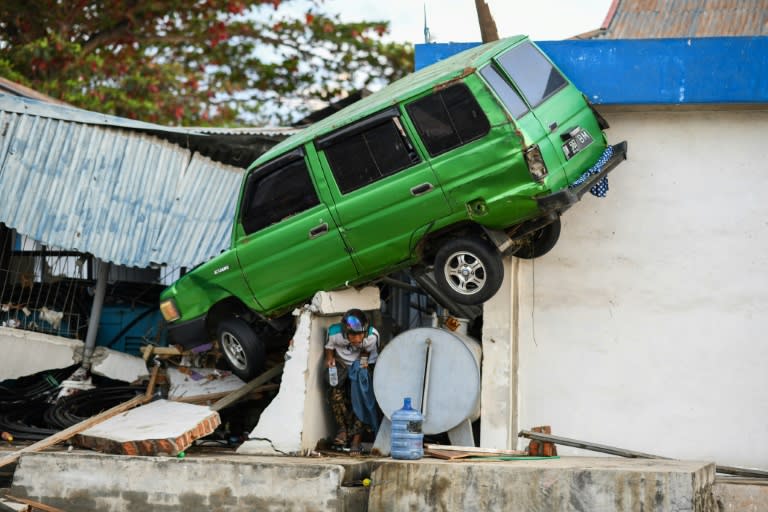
(536, 165)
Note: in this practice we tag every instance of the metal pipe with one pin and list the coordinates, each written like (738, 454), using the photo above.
(93, 321)
(425, 385)
(621, 452)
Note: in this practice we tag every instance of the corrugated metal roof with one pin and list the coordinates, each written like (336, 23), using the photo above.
(82, 181)
(654, 19)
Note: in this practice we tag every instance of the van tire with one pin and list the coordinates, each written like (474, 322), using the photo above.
(468, 270)
(540, 242)
(243, 350)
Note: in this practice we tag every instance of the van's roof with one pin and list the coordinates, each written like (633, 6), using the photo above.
(408, 86)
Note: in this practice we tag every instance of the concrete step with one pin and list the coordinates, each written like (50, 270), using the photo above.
(87, 481)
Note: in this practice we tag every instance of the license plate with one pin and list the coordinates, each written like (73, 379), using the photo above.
(579, 140)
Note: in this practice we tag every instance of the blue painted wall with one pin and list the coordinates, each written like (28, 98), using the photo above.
(114, 318)
(652, 71)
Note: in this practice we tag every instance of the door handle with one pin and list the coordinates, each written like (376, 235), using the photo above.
(318, 230)
(421, 189)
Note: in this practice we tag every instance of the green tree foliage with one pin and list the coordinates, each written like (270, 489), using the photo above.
(215, 62)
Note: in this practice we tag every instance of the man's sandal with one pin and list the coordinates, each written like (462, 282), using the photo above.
(341, 438)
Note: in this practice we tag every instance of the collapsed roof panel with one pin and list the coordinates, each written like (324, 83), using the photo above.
(112, 187)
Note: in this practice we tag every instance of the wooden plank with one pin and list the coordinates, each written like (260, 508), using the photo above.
(152, 382)
(445, 454)
(36, 505)
(74, 429)
(621, 452)
(254, 394)
(473, 449)
(238, 394)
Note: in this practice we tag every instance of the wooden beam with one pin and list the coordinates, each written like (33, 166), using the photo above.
(238, 394)
(152, 382)
(74, 429)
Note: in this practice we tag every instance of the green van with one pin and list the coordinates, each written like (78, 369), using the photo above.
(452, 167)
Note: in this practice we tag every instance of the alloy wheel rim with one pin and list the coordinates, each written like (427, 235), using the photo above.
(234, 351)
(465, 273)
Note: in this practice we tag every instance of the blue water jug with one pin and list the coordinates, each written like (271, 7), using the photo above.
(407, 437)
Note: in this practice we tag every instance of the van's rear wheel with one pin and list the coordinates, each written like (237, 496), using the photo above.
(540, 242)
(468, 270)
(243, 349)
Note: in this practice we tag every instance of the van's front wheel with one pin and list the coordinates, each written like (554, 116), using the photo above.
(468, 270)
(243, 350)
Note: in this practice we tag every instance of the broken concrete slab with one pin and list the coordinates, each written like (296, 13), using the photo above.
(340, 301)
(49, 351)
(158, 428)
(114, 364)
(572, 483)
(298, 417)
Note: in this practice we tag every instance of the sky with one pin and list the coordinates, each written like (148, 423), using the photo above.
(456, 20)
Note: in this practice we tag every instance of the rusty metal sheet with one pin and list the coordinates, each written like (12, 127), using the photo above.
(655, 19)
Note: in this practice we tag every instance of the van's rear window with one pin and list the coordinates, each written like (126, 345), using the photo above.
(448, 119)
(532, 72)
(509, 96)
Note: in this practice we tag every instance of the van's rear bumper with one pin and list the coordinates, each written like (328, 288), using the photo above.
(561, 201)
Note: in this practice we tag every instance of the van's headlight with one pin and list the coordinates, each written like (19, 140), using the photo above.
(536, 165)
(169, 310)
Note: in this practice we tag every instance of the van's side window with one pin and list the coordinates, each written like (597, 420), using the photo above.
(369, 153)
(448, 118)
(532, 72)
(508, 95)
(276, 194)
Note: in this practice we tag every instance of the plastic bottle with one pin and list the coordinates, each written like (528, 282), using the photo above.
(333, 376)
(407, 437)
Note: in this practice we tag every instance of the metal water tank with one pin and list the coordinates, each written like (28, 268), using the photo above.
(438, 369)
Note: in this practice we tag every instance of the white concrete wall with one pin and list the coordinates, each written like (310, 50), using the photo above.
(646, 326)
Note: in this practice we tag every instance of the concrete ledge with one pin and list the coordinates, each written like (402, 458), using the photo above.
(574, 483)
(95, 482)
(85, 481)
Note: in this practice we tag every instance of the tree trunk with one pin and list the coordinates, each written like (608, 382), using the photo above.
(488, 30)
